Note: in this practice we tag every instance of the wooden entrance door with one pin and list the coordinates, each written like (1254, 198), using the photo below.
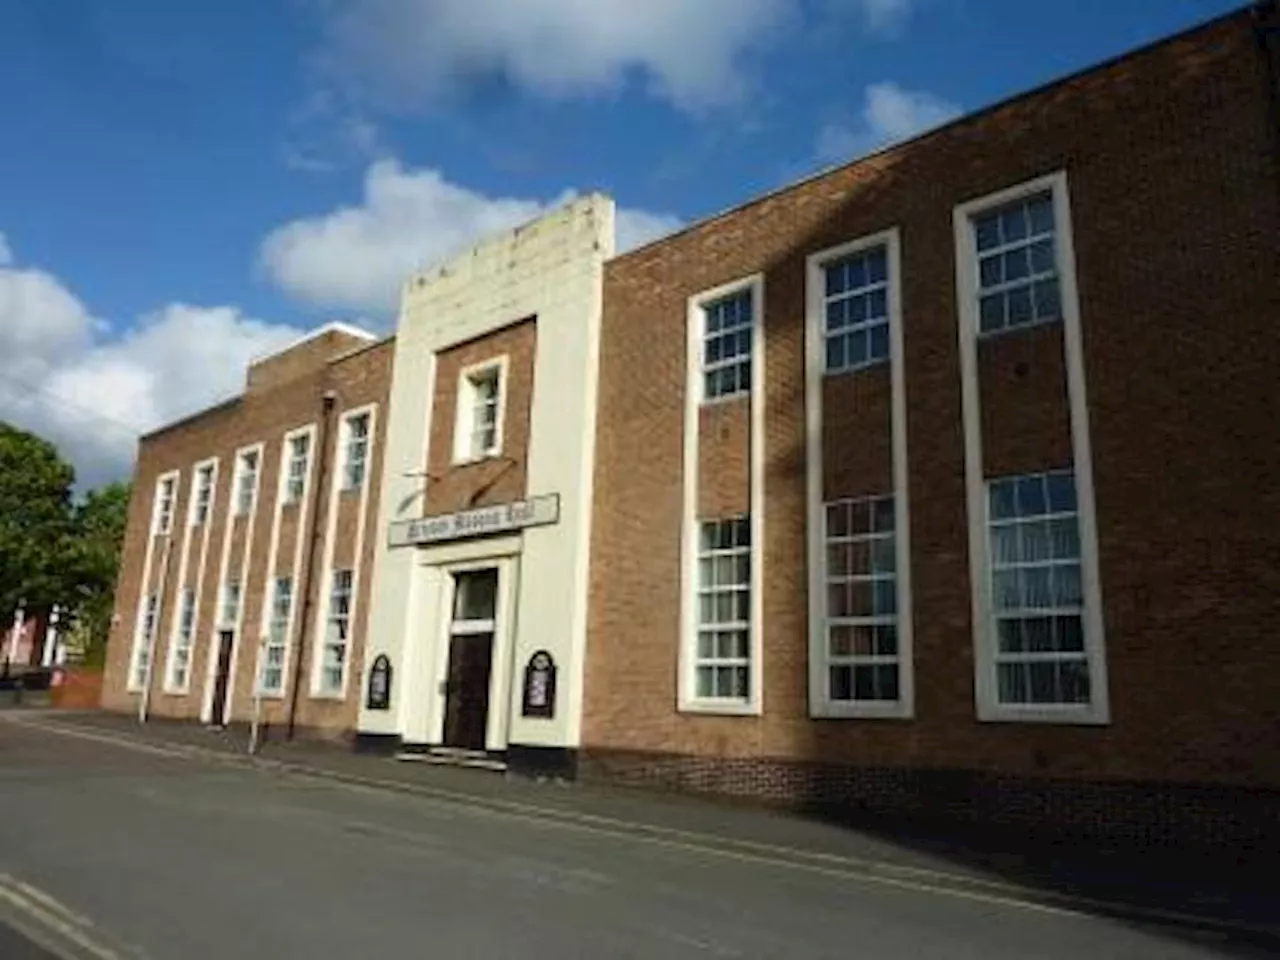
(471, 632)
(222, 677)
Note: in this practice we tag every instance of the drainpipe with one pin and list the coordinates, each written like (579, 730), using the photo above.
(308, 570)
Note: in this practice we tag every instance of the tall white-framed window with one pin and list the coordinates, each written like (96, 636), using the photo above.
(271, 669)
(722, 648)
(355, 459)
(144, 640)
(247, 465)
(855, 308)
(178, 674)
(1039, 638)
(1016, 266)
(297, 463)
(229, 605)
(480, 417)
(728, 323)
(1036, 630)
(202, 493)
(337, 635)
(863, 654)
(166, 493)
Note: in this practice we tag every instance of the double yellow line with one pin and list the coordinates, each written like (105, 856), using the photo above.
(51, 924)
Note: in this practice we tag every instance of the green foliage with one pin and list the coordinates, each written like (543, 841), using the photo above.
(35, 521)
(98, 524)
(54, 551)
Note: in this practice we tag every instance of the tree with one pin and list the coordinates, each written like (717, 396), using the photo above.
(97, 534)
(35, 522)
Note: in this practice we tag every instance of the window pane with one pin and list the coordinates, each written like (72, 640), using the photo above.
(841, 683)
(1062, 492)
(1035, 540)
(1020, 309)
(987, 231)
(1005, 589)
(1013, 682)
(879, 343)
(1006, 544)
(1003, 499)
(857, 347)
(1070, 634)
(1066, 586)
(1048, 303)
(1013, 223)
(882, 514)
(1064, 538)
(991, 312)
(886, 682)
(1038, 634)
(1041, 211)
(1074, 680)
(840, 641)
(887, 640)
(991, 271)
(884, 555)
(1017, 264)
(837, 355)
(1010, 636)
(1031, 496)
(1035, 587)
(475, 595)
(1042, 256)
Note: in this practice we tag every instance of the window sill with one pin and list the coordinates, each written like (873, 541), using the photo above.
(725, 708)
(331, 696)
(845, 710)
(858, 368)
(176, 691)
(1016, 328)
(725, 398)
(347, 490)
(472, 461)
(268, 695)
(1092, 715)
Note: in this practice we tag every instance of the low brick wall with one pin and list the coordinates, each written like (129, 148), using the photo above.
(1209, 817)
(80, 689)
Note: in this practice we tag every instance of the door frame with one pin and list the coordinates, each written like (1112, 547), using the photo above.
(231, 633)
(498, 721)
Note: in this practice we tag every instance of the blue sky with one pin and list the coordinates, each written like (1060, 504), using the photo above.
(185, 185)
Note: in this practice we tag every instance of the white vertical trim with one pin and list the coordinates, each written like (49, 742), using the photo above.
(143, 591)
(268, 591)
(321, 622)
(820, 703)
(211, 664)
(183, 689)
(687, 700)
(988, 706)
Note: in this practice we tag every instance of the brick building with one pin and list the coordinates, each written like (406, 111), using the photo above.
(249, 546)
(946, 479)
(941, 480)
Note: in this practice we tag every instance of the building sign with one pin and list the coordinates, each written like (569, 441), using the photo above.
(379, 684)
(540, 686)
(503, 518)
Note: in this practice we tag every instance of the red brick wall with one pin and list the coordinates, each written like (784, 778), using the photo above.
(1172, 171)
(274, 407)
(501, 479)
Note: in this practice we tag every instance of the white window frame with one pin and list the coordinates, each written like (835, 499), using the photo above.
(821, 706)
(465, 403)
(287, 460)
(716, 591)
(224, 593)
(890, 286)
(143, 635)
(181, 639)
(350, 445)
(271, 641)
(166, 503)
(202, 497)
(240, 507)
(705, 366)
(989, 709)
(687, 700)
(319, 688)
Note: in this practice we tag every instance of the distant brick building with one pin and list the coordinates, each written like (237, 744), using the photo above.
(249, 544)
(942, 481)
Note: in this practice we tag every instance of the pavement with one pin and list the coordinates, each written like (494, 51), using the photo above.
(119, 841)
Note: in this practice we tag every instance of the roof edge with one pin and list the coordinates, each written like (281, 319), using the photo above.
(1097, 67)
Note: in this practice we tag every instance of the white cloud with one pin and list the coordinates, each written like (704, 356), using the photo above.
(889, 114)
(90, 393)
(357, 257)
(885, 15)
(689, 52)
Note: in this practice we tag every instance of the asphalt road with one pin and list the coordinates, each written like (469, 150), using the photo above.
(133, 854)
